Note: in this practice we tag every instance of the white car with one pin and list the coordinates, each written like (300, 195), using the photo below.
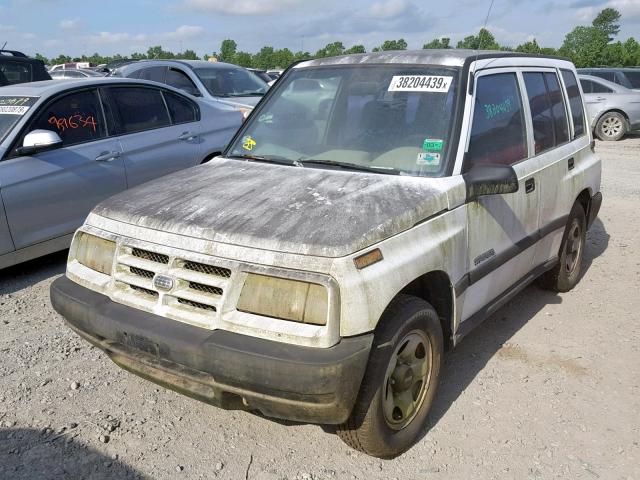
(371, 212)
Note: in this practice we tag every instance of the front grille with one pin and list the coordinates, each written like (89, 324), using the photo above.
(201, 306)
(144, 291)
(141, 272)
(205, 288)
(208, 269)
(198, 292)
(152, 256)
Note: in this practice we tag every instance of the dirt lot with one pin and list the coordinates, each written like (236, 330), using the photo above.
(546, 388)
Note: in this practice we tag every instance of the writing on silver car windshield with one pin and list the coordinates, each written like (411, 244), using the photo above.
(387, 119)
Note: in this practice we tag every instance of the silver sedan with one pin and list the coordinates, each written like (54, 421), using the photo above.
(612, 109)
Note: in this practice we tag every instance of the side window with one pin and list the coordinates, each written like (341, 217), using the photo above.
(181, 81)
(498, 134)
(611, 76)
(575, 102)
(155, 74)
(16, 72)
(138, 108)
(587, 86)
(541, 111)
(600, 88)
(73, 74)
(558, 109)
(76, 117)
(181, 109)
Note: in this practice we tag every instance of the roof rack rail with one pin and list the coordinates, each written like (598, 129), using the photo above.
(15, 53)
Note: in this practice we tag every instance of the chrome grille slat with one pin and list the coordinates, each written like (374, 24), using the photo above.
(205, 288)
(149, 255)
(141, 272)
(131, 261)
(207, 269)
(144, 291)
(195, 296)
(197, 305)
(131, 279)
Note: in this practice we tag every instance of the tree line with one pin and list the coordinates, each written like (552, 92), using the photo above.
(586, 46)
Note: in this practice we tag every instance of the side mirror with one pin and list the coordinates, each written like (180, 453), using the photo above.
(39, 141)
(490, 180)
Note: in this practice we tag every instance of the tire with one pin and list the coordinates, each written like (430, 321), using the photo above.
(566, 274)
(611, 127)
(403, 369)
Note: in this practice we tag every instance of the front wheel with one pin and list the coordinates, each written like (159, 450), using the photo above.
(400, 382)
(612, 126)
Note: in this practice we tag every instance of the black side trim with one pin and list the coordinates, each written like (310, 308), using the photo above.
(478, 317)
(503, 257)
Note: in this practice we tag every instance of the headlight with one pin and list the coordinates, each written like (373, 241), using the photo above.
(286, 299)
(94, 252)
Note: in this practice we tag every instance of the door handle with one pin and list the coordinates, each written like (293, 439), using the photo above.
(107, 156)
(529, 185)
(600, 99)
(186, 136)
(572, 163)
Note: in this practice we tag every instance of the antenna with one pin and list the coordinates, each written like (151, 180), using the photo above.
(486, 20)
(4, 45)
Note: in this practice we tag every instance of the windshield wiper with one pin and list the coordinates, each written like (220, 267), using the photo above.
(269, 159)
(352, 166)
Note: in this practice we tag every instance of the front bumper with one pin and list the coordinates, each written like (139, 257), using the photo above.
(226, 369)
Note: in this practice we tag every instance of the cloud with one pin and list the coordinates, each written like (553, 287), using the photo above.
(241, 7)
(69, 24)
(389, 8)
(183, 32)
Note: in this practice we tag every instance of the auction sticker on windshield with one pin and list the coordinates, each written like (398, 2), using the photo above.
(16, 105)
(420, 83)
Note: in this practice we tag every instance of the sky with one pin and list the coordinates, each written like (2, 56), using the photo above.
(73, 27)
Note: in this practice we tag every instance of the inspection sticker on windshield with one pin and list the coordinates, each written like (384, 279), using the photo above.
(428, 158)
(16, 105)
(420, 83)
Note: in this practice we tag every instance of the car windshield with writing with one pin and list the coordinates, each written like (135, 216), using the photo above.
(231, 82)
(384, 118)
(12, 109)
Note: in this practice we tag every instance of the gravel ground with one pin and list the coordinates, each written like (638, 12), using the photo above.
(548, 387)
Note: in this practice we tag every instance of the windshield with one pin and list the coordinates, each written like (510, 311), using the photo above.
(386, 119)
(231, 82)
(634, 79)
(12, 109)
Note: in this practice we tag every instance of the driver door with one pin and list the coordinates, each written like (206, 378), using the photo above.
(49, 194)
(501, 229)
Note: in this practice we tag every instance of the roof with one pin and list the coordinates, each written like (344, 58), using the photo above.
(188, 63)
(449, 57)
(608, 69)
(49, 87)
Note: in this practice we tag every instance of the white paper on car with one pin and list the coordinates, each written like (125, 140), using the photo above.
(420, 83)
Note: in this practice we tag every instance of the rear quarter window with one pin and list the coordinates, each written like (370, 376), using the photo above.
(575, 102)
(181, 109)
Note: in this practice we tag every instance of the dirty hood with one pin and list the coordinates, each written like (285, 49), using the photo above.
(309, 211)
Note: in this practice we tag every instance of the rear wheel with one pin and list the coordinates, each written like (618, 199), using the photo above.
(400, 382)
(612, 126)
(566, 273)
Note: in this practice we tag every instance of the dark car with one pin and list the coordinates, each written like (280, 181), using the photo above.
(627, 77)
(16, 67)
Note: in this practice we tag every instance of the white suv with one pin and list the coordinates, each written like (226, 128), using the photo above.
(371, 211)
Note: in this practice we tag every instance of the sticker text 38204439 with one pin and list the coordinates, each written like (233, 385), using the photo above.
(420, 83)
